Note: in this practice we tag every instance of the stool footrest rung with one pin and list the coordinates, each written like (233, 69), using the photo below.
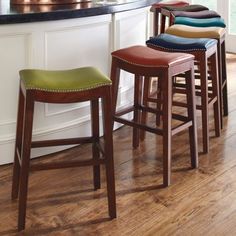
(138, 125)
(61, 165)
(59, 142)
(179, 117)
(149, 109)
(181, 127)
(125, 110)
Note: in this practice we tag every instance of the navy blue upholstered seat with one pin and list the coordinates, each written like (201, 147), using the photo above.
(175, 43)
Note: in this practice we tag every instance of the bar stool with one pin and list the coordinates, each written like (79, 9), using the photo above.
(217, 33)
(156, 9)
(145, 62)
(198, 14)
(203, 22)
(166, 11)
(204, 50)
(77, 85)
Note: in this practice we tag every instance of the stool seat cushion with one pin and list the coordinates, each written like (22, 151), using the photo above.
(196, 32)
(196, 14)
(80, 79)
(147, 57)
(187, 8)
(169, 3)
(175, 43)
(207, 22)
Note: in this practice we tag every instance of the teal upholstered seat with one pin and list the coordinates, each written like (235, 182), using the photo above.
(80, 79)
(207, 22)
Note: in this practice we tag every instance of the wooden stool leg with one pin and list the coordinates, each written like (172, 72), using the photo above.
(219, 53)
(95, 134)
(159, 101)
(18, 145)
(216, 93)
(146, 90)
(224, 80)
(115, 78)
(204, 104)
(163, 23)
(25, 157)
(137, 103)
(108, 150)
(191, 106)
(167, 117)
(156, 23)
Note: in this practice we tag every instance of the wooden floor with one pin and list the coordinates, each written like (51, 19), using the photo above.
(199, 202)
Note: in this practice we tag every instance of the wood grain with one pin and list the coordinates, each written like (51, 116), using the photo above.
(199, 202)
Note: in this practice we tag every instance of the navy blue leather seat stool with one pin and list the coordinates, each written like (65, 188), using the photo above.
(205, 51)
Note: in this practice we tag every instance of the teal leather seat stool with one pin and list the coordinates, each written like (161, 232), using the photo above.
(69, 86)
(204, 22)
(205, 52)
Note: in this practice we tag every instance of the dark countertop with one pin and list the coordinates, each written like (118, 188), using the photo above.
(10, 14)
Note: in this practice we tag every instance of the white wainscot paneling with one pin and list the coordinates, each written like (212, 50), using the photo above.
(63, 44)
(130, 28)
(85, 44)
(14, 55)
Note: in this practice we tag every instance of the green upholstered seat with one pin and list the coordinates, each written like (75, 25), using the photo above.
(204, 22)
(80, 79)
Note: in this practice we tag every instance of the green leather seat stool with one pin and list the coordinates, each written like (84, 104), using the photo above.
(68, 86)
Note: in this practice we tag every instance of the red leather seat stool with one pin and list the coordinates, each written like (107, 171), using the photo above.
(156, 9)
(144, 62)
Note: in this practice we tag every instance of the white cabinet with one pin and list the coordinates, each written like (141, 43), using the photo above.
(61, 44)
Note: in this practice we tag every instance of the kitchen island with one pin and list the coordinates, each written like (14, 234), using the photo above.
(58, 37)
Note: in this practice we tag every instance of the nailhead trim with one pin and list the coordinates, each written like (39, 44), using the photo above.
(177, 50)
(68, 90)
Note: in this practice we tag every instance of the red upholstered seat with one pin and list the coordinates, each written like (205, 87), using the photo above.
(147, 57)
(159, 5)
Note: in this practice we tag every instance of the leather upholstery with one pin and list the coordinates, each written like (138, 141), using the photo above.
(196, 14)
(196, 32)
(175, 43)
(208, 22)
(169, 3)
(80, 79)
(186, 8)
(147, 57)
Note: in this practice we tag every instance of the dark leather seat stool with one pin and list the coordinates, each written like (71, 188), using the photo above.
(166, 11)
(144, 62)
(156, 9)
(77, 85)
(217, 33)
(205, 51)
